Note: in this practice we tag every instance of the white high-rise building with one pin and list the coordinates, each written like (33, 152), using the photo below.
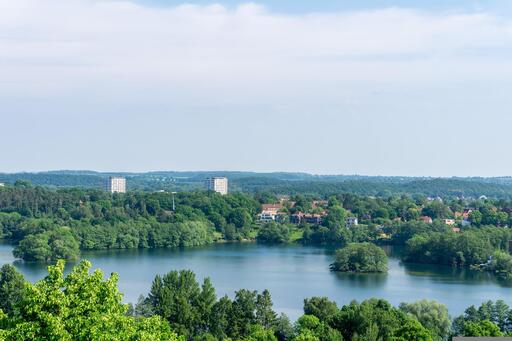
(116, 184)
(219, 185)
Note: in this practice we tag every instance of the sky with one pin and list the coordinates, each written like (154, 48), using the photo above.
(419, 88)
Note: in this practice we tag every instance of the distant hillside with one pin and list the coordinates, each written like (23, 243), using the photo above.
(280, 183)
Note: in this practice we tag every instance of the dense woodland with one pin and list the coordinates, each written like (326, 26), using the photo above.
(85, 306)
(46, 224)
(280, 183)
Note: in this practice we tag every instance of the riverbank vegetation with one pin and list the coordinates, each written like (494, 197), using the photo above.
(84, 305)
(46, 224)
(360, 257)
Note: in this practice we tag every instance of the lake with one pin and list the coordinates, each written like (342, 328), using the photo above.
(290, 272)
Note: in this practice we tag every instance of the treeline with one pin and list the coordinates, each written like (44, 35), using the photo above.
(443, 187)
(85, 306)
(281, 183)
(48, 225)
(483, 248)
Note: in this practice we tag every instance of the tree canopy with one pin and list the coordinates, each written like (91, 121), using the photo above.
(360, 257)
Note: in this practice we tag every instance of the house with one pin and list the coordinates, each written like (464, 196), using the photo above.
(267, 216)
(426, 219)
(456, 229)
(449, 222)
(466, 213)
(352, 221)
(271, 207)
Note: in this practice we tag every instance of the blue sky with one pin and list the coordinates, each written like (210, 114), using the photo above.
(305, 6)
(331, 87)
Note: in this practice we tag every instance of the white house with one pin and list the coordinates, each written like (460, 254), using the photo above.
(352, 221)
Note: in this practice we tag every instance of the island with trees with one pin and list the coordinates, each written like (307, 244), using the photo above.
(360, 257)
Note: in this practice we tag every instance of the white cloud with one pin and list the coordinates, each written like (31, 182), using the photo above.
(74, 41)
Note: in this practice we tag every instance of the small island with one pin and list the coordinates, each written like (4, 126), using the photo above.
(361, 258)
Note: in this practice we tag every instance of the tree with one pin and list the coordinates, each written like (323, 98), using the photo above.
(482, 328)
(58, 243)
(274, 233)
(81, 306)
(12, 285)
(265, 316)
(360, 257)
(412, 330)
(283, 328)
(432, 315)
(320, 307)
(335, 217)
(178, 298)
(373, 317)
(309, 327)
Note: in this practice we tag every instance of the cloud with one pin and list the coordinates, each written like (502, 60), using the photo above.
(389, 91)
(77, 42)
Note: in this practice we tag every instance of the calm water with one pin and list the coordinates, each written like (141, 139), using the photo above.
(291, 273)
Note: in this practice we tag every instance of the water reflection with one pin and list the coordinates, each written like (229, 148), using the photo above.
(368, 281)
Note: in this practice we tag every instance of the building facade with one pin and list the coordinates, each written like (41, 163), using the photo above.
(216, 184)
(116, 184)
(352, 221)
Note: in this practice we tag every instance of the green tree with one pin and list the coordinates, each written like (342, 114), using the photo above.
(321, 307)
(265, 316)
(12, 284)
(412, 330)
(482, 328)
(81, 306)
(360, 257)
(432, 315)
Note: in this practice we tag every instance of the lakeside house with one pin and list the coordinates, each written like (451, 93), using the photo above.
(270, 212)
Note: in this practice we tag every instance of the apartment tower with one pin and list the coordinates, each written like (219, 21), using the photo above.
(116, 184)
(217, 184)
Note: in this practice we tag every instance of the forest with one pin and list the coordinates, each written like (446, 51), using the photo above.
(279, 183)
(83, 305)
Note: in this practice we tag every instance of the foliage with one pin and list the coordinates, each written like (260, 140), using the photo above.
(274, 233)
(473, 246)
(80, 306)
(482, 328)
(193, 310)
(47, 224)
(498, 313)
(432, 315)
(412, 330)
(320, 307)
(11, 288)
(51, 245)
(372, 319)
(84, 306)
(362, 257)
